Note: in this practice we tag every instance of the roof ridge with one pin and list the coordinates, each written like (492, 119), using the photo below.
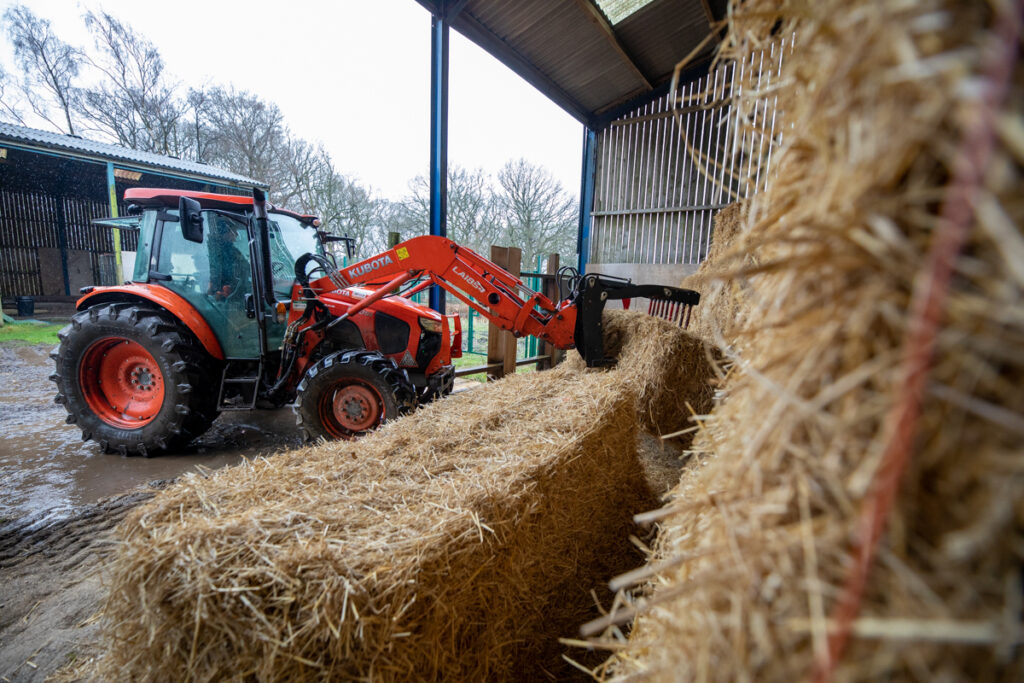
(26, 134)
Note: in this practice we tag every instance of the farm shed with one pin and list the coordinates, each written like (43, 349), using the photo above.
(52, 186)
(663, 149)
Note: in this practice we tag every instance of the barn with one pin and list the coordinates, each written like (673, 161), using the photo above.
(52, 187)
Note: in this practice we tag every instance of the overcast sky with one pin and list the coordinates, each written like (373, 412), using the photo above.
(352, 74)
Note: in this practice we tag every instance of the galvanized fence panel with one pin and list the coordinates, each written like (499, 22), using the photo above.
(666, 168)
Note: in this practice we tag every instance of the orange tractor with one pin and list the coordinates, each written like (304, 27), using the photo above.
(235, 304)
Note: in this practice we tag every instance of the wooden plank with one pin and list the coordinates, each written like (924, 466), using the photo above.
(515, 257)
(477, 369)
(495, 347)
(501, 345)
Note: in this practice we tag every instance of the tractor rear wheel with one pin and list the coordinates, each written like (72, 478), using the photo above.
(130, 377)
(349, 393)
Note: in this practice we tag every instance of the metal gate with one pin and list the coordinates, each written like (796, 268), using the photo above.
(666, 168)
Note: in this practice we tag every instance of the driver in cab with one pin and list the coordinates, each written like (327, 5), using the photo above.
(229, 269)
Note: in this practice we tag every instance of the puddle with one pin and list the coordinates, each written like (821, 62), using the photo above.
(46, 469)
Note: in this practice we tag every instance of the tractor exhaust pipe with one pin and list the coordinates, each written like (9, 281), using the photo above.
(259, 210)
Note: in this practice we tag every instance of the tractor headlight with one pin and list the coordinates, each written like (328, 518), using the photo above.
(430, 325)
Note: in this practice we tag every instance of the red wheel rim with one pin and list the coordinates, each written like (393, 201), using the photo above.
(350, 409)
(121, 382)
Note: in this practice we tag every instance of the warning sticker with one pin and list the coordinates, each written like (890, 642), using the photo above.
(403, 253)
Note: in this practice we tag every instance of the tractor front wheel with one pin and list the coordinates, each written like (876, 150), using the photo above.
(130, 377)
(346, 394)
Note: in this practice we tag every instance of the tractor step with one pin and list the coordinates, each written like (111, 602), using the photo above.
(240, 391)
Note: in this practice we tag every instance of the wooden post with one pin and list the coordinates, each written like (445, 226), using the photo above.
(550, 290)
(501, 344)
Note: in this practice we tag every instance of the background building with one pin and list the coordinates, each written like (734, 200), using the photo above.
(51, 188)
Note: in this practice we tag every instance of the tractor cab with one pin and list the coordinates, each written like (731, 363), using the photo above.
(216, 270)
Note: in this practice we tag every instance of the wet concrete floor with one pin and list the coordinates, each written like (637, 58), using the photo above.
(46, 471)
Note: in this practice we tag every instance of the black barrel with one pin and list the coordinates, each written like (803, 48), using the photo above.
(26, 306)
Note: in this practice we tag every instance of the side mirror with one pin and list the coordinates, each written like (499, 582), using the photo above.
(190, 215)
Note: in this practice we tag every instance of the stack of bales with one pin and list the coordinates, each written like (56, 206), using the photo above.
(754, 576)
(669, 371)
(459, 542)
(719, 279)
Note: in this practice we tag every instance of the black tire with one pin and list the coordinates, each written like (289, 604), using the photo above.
(186, 409)
(336, 372)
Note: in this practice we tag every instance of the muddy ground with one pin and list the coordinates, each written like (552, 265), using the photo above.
(60, 500)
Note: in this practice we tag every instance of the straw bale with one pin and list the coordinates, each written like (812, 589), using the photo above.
(457, 543)
(756, 546)
(719, 278)
(671, 371)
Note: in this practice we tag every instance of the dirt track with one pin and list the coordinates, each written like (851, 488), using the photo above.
(51, 586)
(60, 499)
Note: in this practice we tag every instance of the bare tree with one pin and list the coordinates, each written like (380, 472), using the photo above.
(133, 104)
(192, 135)
(344, 206)
(537, 214)
(49, 67)
(307, 168)
(246, 135)
(9, 109)
(472, 215)
(354, 211)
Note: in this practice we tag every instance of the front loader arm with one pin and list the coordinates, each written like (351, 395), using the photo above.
(501, 297)
(491, 290)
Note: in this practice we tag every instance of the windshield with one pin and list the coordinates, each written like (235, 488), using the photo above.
(289, 239)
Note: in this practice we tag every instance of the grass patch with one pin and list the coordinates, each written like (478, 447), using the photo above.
(469, 360)
(29, 333)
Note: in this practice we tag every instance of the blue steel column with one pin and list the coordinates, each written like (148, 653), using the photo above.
(438, 140)
(587, 173)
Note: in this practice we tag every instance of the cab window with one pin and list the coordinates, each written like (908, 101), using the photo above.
(289, 239)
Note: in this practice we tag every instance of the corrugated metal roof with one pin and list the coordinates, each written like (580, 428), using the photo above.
(77, 146)
(571, 51)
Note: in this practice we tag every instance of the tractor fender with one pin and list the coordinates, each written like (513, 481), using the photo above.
(173, 303)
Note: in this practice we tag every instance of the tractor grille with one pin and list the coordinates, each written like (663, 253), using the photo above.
(430, 346)
(392, 333)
